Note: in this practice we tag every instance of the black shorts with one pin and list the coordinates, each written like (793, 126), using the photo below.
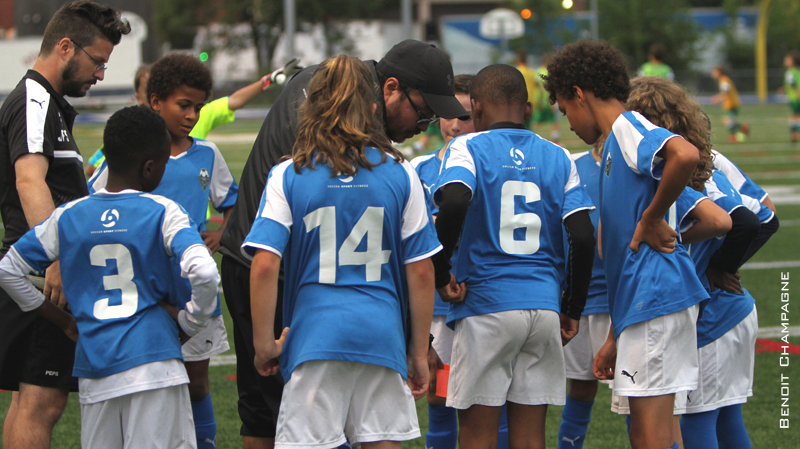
(259, 397)
(33, 350)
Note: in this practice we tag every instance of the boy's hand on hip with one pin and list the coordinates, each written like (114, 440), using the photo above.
(656, 233)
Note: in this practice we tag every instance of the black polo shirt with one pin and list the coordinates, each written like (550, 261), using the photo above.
(35, 119)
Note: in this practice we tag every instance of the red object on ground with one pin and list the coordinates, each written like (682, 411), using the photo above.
(442, 377)
(764, 345)
(231, 377)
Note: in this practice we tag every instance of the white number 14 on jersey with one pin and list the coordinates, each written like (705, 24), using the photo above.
(370, 225)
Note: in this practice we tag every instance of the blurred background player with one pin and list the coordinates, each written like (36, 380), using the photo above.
(196, 173)
(655, 65)
(214, 113)
(729, 98)
(589, 80)
(532, 81)
(416, 80)
(507, 347)
(345, 356)
(594, 324)
(132, 383)
(442, 420)
(791, 85)
(544, 113)
(42, 168)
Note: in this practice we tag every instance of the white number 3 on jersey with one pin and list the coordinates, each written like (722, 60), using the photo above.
(123, 281)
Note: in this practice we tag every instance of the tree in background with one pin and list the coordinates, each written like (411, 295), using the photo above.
(634, 25)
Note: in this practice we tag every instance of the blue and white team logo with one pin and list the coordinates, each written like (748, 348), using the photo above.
(204, 178)
(346, 179)
(109, 218)
(517, 156)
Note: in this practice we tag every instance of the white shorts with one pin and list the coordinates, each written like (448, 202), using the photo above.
(507, 356)
(580, 351)
(326, 400)
(620, 404)
(211, 341)
(442, 338)
(160, 418)
(658, 356)
(726, 369)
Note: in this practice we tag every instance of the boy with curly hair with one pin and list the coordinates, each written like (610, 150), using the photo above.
(652, 285)
(178, 87)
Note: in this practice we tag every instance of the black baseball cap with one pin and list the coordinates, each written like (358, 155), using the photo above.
(424, 67)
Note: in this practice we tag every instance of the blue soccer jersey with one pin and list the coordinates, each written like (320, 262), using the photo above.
(511, 253)
(192, 179)
(589, 172)
(116, 253)
(724, 310)
(646, 284)
(344, 242)
(428, 167)
(752, 194)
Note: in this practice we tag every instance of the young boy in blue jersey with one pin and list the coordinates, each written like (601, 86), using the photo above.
(117, 248)
(513, 194)
(442, 420)
(728, 326)
(594, 323)
(348, 218)
(196, 173)
(652, 286)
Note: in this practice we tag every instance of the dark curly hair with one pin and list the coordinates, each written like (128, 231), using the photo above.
(132, 136)
(175, 70)
(82, 22)
(593, 66)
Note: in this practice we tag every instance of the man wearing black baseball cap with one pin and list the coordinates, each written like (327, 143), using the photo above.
(416, 80)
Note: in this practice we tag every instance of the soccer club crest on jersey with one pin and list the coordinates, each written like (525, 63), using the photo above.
(109, 218)
(204, 178)
(608, 165)
(517, 156)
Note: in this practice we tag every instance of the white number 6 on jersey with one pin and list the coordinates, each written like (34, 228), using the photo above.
(123, 281)
(509, 221)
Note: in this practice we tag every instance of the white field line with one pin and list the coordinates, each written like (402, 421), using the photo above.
(770, 265)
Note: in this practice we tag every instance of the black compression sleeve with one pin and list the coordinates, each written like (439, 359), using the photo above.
(764, 233)
(729, 257)
(453, 208)
(580, 259)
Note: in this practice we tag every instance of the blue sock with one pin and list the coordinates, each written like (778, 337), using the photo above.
(574, 423)
(205, 426)
(442, 427)
(699, 430)
(502, 435)
(731, 432)
(628, 423)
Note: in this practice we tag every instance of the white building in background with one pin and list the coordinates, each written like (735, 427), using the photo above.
(20, 54)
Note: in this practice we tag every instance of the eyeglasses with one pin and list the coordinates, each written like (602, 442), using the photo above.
(423, 120)
(100, 65)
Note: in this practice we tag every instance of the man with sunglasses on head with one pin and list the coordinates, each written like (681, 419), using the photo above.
(414, 87)
(42, 169)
